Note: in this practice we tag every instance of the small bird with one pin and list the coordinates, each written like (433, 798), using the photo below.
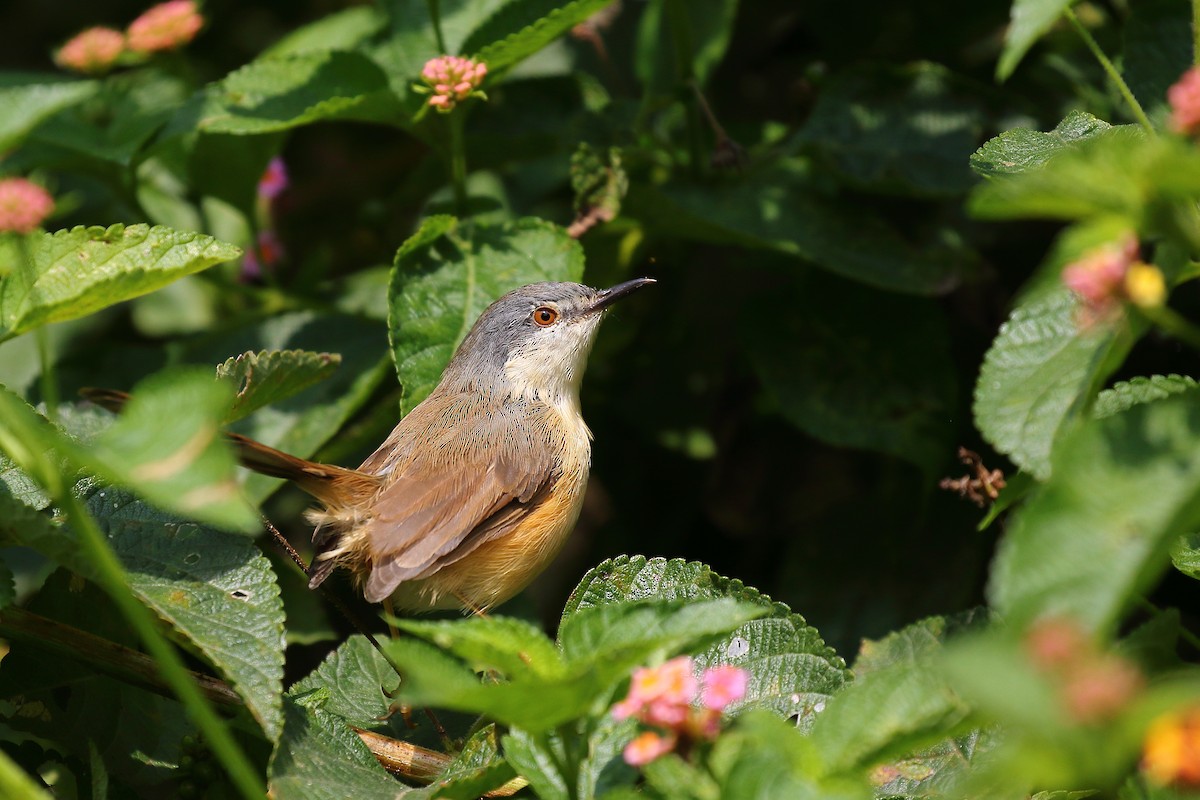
(478, 487)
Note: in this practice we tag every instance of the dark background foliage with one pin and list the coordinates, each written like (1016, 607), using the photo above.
(783, 423)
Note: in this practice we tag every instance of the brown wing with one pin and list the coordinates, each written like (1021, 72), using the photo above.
(442, 504)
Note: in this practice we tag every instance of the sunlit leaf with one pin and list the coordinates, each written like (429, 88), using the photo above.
(268, 376)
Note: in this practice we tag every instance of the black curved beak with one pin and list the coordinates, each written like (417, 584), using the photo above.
(607, 297)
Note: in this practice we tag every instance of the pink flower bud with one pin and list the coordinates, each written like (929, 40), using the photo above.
(166, 26)
(274, 180)
(23, 205)
(92, 51)
(452, 80)
(1098, 278)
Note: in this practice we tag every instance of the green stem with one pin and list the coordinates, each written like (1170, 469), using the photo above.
(458, 163)
(1111, 70)
(1173, 324)
(111, 577)
(1196, 32)
(435, 18)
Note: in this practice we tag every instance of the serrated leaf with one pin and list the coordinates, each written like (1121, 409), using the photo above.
(1030, 20)
(275, 94)
(1038, 377)
(1185, 555)
(217, 590)
(79, 271)
(1022, 149)
(14, 481)
(354, 676)
(268, 376)
(928, 772)
(520, 28)
(167, 444)
(906, 130)
(1124, 395)
(1123, 489)
(792, 671)
(341, 30)
(27, 99)
(779, 209)
(446, 274)
(914, 642)
(476, 770)
(886, 713)
(1119, 172)
(513, 647)
(860, 369)
(319, 758)
(302, 423)
(534, 758)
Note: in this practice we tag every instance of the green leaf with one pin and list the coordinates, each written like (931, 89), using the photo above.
(167, 444)
(15, 784)
(512, 647)
(535, 760)
(928, 772)
(476, 770)
(1039, 375)
(269, 376)
(710, 24)
(906, 130)
(520, 28)
(913, 643)
(280, 93)
(1030, 20)
(1124, 395)
(353, 675)
(1185, 555)
(14, 481)
(341, 30)
(858, 369)
(1123, 489)
(779, 209)
(216, 589)
(73, 273)
(1022, 149)
(27, 99)
(446, 274)
(792, 671)
(760, 758)
(1117, 172)
(302, 423)
(1157, 49)
(886, 713)
(319, 758)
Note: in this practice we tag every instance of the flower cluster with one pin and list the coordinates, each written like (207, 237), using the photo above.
(93, 51)
(452, 79)
(1094, 685)
(166, 26)
(1171, 752)
(267, 250)
(663, 697)
(1108, 276)
(1184, 98)
(23, 205)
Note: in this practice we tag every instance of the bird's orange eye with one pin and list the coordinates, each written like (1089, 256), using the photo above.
(545, 316)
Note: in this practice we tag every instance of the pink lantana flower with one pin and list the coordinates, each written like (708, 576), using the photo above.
(166, 26)
(263, 256)
(646, 747)
(23, 205)
(451, 80)
(274, 180)
(665, 698)
(1098, 278)
(92, 51)
(1184, 98)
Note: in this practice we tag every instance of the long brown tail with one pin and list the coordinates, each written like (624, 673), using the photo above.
(336, 487)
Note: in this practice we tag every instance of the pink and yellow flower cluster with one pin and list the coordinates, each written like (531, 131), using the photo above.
(452, 79)
(1108, 276)
(665, 698)
(166, 26)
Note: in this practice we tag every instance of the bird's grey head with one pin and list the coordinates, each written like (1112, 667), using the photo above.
(535, 340)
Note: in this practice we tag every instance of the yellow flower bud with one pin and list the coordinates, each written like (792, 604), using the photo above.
(1145, 286)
